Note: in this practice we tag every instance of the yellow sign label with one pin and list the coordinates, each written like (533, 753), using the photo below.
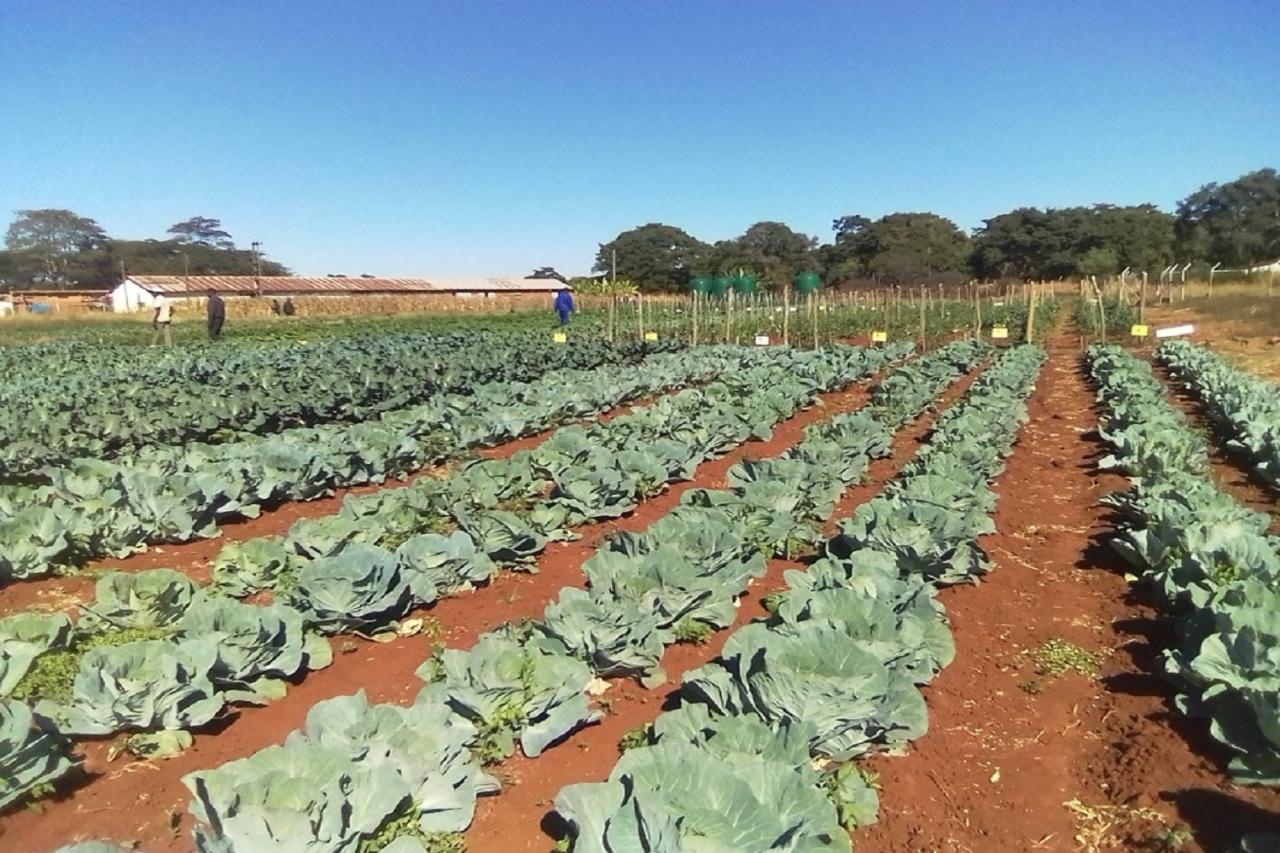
(1139, 330)
(879, 337)
(650, 336)
(560, 337)
(999, 331)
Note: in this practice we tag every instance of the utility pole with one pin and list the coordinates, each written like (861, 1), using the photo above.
(257, 268)
(613, 295)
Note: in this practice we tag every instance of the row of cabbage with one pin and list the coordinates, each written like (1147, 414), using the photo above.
(530, 683)
(157, 654)
(757, 754)
(1208, 561)
(1244, 406)
(107, 406)
(95, 508)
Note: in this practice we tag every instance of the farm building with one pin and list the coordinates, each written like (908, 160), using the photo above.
(140, 292)
(52, 301)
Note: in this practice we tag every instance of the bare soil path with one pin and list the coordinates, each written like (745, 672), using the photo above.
(1016, 760)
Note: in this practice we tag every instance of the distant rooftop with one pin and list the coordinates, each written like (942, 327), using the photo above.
(285, 284)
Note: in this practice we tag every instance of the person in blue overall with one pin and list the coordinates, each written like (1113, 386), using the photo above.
(564, 306)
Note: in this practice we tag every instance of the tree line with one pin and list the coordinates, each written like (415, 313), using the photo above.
(1236, 224)
(59, 249)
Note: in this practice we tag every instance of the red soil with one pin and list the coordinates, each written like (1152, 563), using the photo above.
(1007, 749)
(145, 801)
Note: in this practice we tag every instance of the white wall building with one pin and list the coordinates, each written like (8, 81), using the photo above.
(144, 292)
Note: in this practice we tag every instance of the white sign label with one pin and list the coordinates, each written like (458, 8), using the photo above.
(762, 340)
(1175, 331)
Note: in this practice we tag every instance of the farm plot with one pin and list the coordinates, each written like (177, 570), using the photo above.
(100, 402)
(95, 508)
(578, 475)
(833, 674)
(667, 565)
(1027, 706)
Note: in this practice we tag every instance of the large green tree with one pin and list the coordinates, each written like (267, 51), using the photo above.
(171, 257)
(202, 231)
(1236, 223)
(1064, 242)
(61, 249)
(654, 256)
(771, 250)
(53, 247)
(898, 247)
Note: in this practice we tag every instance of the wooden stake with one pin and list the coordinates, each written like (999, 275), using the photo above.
(1142, 300)
(695, 319)
(977, 310)
(786, 314)
(924, 340)
(1102, 313)
(1031, 313)
(813, 317)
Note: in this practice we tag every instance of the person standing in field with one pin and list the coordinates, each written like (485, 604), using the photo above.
(160, 322)
(564, 306)
(216, 312)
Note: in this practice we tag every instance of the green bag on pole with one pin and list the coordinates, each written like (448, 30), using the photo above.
(719, 285)
(807, 282)
(745, 283)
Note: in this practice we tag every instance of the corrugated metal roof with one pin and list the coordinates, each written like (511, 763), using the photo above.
(280, 284)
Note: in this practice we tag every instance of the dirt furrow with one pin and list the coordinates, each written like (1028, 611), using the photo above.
(1231, 472)
(1018, 756)
(145, 801)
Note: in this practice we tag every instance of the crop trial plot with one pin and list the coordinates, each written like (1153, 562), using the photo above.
(435, 591)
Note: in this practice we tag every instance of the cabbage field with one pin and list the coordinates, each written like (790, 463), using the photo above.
(404, 591)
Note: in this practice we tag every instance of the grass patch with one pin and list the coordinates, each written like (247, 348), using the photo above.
(53, 674)
(639, 736)
(693, 631)
(433, 667)
(1108, 827)
(1056, 657)
(406, 826)
(772, 600)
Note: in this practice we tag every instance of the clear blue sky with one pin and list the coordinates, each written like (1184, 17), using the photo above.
(473, 137)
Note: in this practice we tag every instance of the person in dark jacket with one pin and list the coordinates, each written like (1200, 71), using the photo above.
(564, 306)
(217, 314)
(288, 309)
